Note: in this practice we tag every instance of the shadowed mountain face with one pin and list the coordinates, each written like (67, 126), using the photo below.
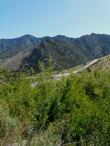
(65, 52)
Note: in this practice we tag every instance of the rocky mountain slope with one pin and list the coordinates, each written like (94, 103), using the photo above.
(65, 52)
(101, 64)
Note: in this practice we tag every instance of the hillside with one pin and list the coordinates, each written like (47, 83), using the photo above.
(101, 64)
(10, 47)
(65, 52)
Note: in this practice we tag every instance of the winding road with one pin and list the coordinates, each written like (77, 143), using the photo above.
(59, 76)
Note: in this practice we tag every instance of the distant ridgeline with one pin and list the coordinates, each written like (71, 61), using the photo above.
(66, 52)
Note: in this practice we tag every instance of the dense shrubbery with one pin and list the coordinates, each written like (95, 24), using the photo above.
(73, 111)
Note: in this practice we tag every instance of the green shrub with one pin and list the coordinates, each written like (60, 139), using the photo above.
(79, 105)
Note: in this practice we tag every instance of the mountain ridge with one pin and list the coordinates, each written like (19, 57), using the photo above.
(65, 51)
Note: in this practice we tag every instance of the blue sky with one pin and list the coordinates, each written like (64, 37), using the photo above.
(52, 17)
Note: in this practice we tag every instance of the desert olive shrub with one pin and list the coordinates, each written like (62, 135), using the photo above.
(9, 125)
(48, 137)
(79, 105)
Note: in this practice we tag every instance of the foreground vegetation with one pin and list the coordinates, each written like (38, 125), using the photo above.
(74, 111)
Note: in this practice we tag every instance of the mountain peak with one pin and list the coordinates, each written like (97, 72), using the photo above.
(27, 36)
(93, 34)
